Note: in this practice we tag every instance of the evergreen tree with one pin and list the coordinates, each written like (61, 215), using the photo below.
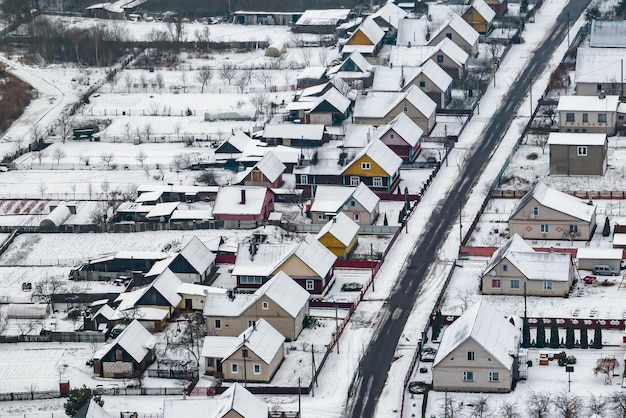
(620, 9)
(569, 336)
(79, 397)
(606, 231)
(401, 216)
(597, 336)
(385, 222)
(554, 335)
(541, 334)
(525, 334)
(437, 325)
(584, 340)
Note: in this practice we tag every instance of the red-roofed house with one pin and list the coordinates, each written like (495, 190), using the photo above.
(243, 206)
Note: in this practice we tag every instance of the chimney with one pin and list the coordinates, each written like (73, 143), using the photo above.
(601, 95)
(243, 196)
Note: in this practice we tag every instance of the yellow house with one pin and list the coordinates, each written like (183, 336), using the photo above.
(376, 165)
(366, 39)
(340, 235)
(480, 16)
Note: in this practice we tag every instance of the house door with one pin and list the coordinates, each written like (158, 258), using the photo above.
(188, 304)
(219, 365)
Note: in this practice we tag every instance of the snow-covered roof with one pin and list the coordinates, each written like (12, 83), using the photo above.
(378, 103)
(322, 17)
(160, 266)
(300, 105)
(599, 253)
(599, 65)
(341, 227)
(92, 410)
(191, 214)
(135, 340)
(133, 207)
(315, 73)
(271, 166)
(166, 284)
(608, 33)
(367, 198)
(588, 103)
(382, 155)
(288, 294)
(310, 132)
(453, 51)
(198, 255)
(371, 30)
(106, 311)
(334, 98)
(357, 59)
(162, 209)
(317, 257)
(567, 138)
(357, 135)
(435, 74)
(403, 126)
(149, 196)
(236, 398)
(57, 216)
(388, 79)
(391, 14)
(266, 259)
(559, 201)
(461, 27)
(515, 243)
(412, 31)
(28, 310)
(239, 140)
(212, 242)
(220, 347)
(229, 200)
(149, 313)
(487, 327)
(361, 49)
(198, 290)
(330, 199)
(484, 10)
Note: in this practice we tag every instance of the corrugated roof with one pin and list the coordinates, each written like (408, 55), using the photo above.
(588, 103)
(341, 227)
(608, 33)
(567, 138)
(162, 209)
(599, 65)
(310, 132)
(324, 17)
(559, 201)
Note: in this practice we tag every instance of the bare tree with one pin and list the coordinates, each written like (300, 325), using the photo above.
(177, 128)
(37, 133)
(99, 213)
(228, 72)
(203, 35)
(597, 405)
(242, 80)
(66, 127)
(158, 79)
(203, 76)
(617, 401)
(128, 131)
(73, 188)
(509, 410)
(45, 290)
(89, 189)
(306, 53)
(181, 161)
(107, 158)
(259, 101)
(606, 366)
(141, 157)
(189, 340)
(466, 299)
(568, 405)
(105, 186)
(322, 54)
(481, 408)
(539, 404)
(143, 82)
(41, 155)
(451, 408)
(58, 154)
(42, 188)
(183, 79)
(113, 80)
(541, 140)
(128, 81)
(265, 77)
(148, 130)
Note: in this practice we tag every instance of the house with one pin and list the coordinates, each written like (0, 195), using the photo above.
(335, 82)
(379, 108)
(132, 212)
(412, 32)
(91, 409)
(193, 295)
(281, 302)
(402, 136)
(162, 212)
(340, 235)
(330, 109)
(294, 134)
(388, 17)
(447, 55)
(359, 203)
(578, 154)
(545, 213)
(321, 21)
(588, 257)
(267, 172)
(607, 34)
(593, 114)
(308, 262)
(498, 6)
(253, 356)
(120, 264)
(599, 70)
(366, 39)
(480, 16)
(354, 68)
(376, 165)
(234, 145)
(311, 76)
(128, 355)
(160, 193)
(193, 264)
(517, 269)
(235, 402)
(477, 353)
(243, 206)
(458, 31)
(357, 135)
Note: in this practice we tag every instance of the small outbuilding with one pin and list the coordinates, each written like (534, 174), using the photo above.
(589, 257)
(276, 49)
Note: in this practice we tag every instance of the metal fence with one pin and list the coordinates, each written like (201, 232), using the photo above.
(173, 374)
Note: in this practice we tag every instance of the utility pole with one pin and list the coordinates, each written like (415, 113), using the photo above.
(372, 265)
(568, 31)
(460, 225)
(530, 90)
(336, 329)
(525, 306)
(299, 400)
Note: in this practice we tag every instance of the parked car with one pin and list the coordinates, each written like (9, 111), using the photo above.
(604, 270)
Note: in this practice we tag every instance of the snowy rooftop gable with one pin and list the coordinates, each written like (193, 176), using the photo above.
(412, 31)
(453, 51)
(588, 103)
(330, 199)
(325, 17)
(341, 227)
(599, 65)
(382, 155)
(421, 101)
(230, 200)
(488, 328)
(198, 255)
(135, 340)
(435, 74)
(92, 410)
(283, 290)
(310, 132)
(367, 198)
(484, 10)
(515, 243)
(198, 289)
(263, 340)
(370, 29)
(391, 14)
(317, 257)
(566, 138)
(335, 99)
(266, 259)
(559, 201)
(238, 140)
(461, 27)
(359, 61)
(162, 209)
(271, 166)
(315, 73)
(167, 285)
(403, 126)
(608, 33)
(379, 103)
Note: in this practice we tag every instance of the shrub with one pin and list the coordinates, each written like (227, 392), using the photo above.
(532, 156)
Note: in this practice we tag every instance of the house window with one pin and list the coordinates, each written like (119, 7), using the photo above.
(354, 180)
(585, 117)
(250, 279)
(582, 151)
(218, 324)
(256, 369)
(321, 217)
(365, 166)
(422, 84)
(234, 368)
(355, 217)
(545, 228)
(439, 58)
(210, 362)
(505, 267)
(352, 203)
(449, 35)
(599, 87)
(119, 355)
(265, 305)
(514, 283)
(405, 108)
(573, 229)
(468, 376)
(471, 356)
(569, 117)
(392, 136)
(251, 323)
(547, 285)
(494, 376)
(496, 284)
(304, 179)
(310, 285)
(602, 117)
(620, 117)
(377, 182)
(535, 211)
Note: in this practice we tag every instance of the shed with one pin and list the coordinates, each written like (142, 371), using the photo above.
(589, 257)
(276, 49)
(56, 217)
(28, 310)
